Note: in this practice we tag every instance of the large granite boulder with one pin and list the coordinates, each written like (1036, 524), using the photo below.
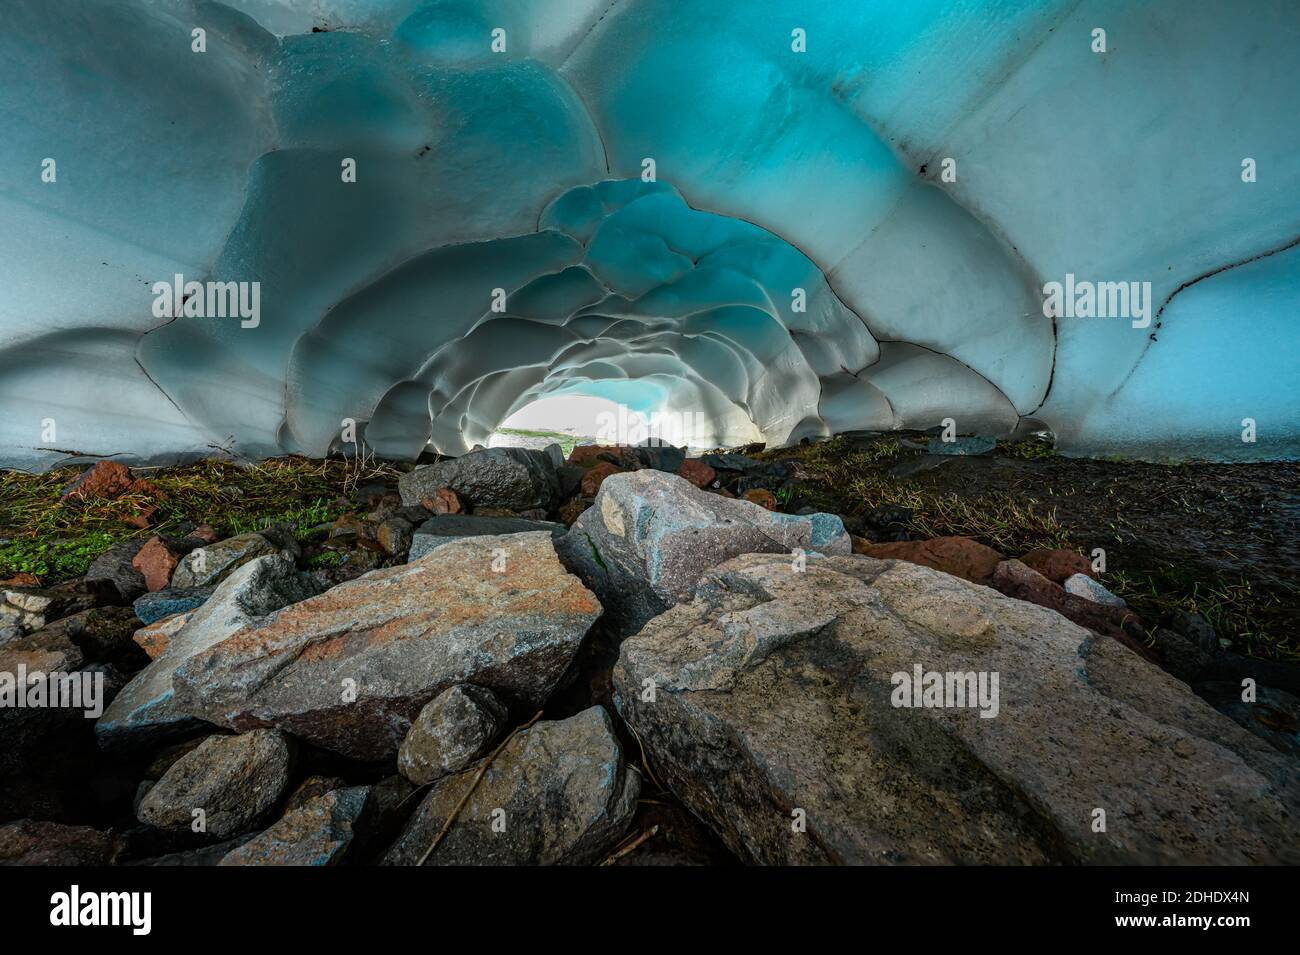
(235, 781)
(145, 712)
(649, 536)
(795, 712)
(445, 528)
(515, 478)
(558, 793)
(351, 668)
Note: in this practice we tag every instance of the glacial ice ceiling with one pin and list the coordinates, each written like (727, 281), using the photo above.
(919, 172)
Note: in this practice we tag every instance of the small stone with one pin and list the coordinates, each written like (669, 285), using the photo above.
(1057, 564)
(317, 833)
(212, 563)
(310, 788)
(156, 561)
(105, 480)
(234, 780)
(595, 476)
(153, 639)
(32, 842)
(455, 728)
(115, 565)
(443, 501)
(959, 556)
(151, 608)
(972, 445)
(697, 472)
(762, 497)
(394, 536)
(572, 510)
(1081, 585)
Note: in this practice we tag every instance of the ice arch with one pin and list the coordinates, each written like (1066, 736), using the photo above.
(519, 167)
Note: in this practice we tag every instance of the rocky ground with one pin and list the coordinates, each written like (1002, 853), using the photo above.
(628, 656)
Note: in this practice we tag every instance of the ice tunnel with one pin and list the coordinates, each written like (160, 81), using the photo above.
(240, 226)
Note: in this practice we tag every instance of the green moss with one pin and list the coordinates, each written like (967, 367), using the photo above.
(53, 558)
(1027, 450)
(326, 558)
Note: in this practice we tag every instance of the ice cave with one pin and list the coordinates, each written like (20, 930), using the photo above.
(243, 226)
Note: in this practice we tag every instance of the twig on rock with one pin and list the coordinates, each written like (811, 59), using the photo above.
(631, 846)
(446, 826)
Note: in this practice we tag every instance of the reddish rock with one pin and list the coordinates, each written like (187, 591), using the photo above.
(959, 556)
(21, 580)
(144, 518)
(762, 497)
(154, 638)
(571, 511)
(105, 479)
(587, 455)
(443, 501)
(1058, 564)
(697, 472)
(1015, 579)
(156, 563)
(595, 477)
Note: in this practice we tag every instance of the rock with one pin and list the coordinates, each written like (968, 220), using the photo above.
(310, 788)
(731, 462)
(116, 565)
(235, 780)
(572, 510)
(31, 842)
(443, 501)
(27, 609)
(455, 728)
(1233, 668)
(595, 476)
(1058, 565)
(107, 479)
(317, 833)
(588, 455)
(1081, 585)
(1196, 629)
(203, 856)
(146, 712)
(959, 556)
(778, 696)
(660, 457)
(446, 528)
(154, 638)
(650, 535)
(762, 497)
(153, 607)
(102, 634)
(21, 580)
(570, 478)
(888, 522)
(213, 563)
(515, 478)
(972, 445)
(560, 788)
(1023, 583)
(156, 561)
(394, 536)
(1273, 716)
(697, 472)
(350, 669)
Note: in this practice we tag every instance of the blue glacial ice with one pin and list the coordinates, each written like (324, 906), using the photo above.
(796, 218)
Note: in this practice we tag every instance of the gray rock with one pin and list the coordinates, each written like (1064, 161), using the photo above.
(650, 535)
(151, 608)
(213, 563)
(445, 528)
(559, 793)
(1182, 657)
(317, 833)
(351, 668)
(235, 780)
(514, 478)
(455, 728)
(660, 457)
(145, 712)
(1081, 585)
(114, 565)
(1273, 715)
(777, 700)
